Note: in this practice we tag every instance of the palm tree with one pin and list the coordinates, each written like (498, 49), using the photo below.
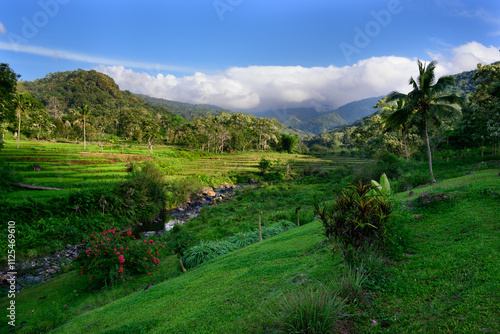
(85, 112)
(427, 103)
(396, 121)
(23, 102)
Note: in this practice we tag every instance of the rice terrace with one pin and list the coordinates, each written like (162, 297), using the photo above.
(248, 167)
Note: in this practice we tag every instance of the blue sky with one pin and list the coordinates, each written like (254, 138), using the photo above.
(250, 54)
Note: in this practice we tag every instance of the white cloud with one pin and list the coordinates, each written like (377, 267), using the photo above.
(465, 58)
(3, 31)
(267, 87)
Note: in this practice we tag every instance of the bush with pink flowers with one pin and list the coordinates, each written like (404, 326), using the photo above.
(112, 256)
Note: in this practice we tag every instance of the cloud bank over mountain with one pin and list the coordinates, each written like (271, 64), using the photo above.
(257, 88)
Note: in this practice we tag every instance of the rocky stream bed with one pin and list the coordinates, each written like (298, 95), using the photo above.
(39, 270)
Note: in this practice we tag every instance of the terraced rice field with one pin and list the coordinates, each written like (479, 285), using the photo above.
(67, 166)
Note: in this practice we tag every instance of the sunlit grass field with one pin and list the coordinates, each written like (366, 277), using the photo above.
(67, 166)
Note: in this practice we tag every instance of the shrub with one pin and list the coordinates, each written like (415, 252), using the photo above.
(182, 190)
(7, 177)
(306, 311)
(356, 220)
(264, 165)
(112, 256)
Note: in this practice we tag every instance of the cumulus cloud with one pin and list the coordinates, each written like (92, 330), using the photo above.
(3, 31)
(259, 88)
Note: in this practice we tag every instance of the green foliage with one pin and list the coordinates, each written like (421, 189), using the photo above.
(178, 239)
(356, 220)
(8, 83)
(352, 281)
(182, 190)
(289, 142)
(382, 189)
(307, 311)
(112, 256)
(8, 176)
(264, 165)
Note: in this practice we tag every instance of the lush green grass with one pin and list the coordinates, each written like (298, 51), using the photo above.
(450, 282)
(223, 296)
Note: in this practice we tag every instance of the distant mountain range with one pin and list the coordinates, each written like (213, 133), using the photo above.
(186, 110)
(314, 122)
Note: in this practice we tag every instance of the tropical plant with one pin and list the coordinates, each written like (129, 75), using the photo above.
(383, 188)
(426, 104)
(396, 124)
(8, 82)
(85, 113)
(356, 221)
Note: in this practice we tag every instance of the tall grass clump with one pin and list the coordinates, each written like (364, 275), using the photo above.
(207, 250)
(306, 311)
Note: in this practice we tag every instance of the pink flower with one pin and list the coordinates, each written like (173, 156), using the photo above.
(129, 232)
(121, 269)
(117, 253)
(121, 259)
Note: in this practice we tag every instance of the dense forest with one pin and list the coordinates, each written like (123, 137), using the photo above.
(88, 105)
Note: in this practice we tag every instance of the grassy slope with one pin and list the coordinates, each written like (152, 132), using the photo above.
(223, 297)
(448, 283)
(451, 281)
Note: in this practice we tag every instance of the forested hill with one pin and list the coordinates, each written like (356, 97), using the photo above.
(63, 91)
(464, 84)
(186, 110)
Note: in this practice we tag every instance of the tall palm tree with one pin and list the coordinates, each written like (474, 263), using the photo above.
(392, 122)
(427, 103)
(23, 103)
(85, 112)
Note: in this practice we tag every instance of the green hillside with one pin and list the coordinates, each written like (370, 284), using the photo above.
(447, 281)
(186, 110)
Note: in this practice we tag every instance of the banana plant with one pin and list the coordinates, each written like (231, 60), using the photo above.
(382, 189)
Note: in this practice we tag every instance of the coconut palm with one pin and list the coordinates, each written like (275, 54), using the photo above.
(85, 113)
(23, 103)
(426, 103)
(392, 123)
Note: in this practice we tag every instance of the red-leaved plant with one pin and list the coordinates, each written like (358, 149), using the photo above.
(113, 256)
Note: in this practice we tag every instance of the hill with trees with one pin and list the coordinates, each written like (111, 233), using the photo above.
(79, 105)
(186, 110)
